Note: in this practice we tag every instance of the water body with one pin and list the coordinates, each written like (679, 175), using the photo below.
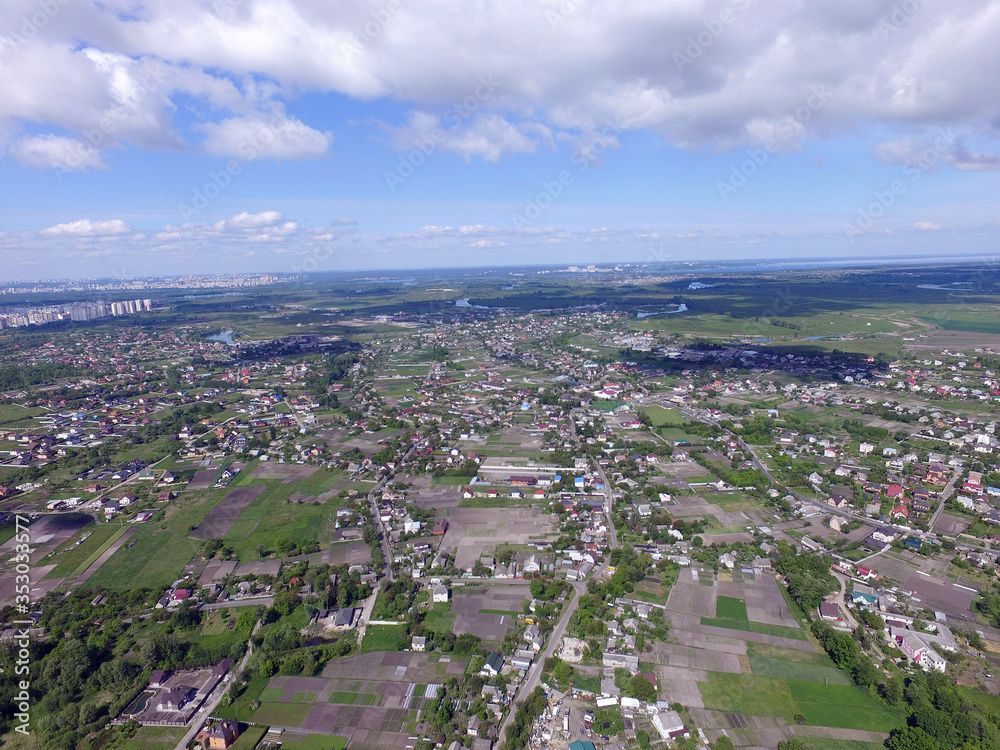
(699, 285)
(947, 287)
(681, 308)
(465, 303)
(226, 337)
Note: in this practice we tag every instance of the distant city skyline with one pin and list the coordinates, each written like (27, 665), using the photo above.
(244, 136)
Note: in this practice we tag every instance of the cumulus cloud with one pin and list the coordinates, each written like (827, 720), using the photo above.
(245, 220)
(88, 228)
(277, 136)
(927, 226)
(704, 73)
(57, 152)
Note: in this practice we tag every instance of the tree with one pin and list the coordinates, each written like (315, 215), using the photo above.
(641, 688)
(723, 743)
(911, 738)
(795, 743)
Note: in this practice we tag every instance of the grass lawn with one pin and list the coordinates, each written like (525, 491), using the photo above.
(728, 608)
(585, 682)
(755, 627)
(765, 666)
(282, 714)
(440, 618)
(160, 550)
(300, 522)
(733, 501)
(249, 739)
(661, 416)
(450, 481)
(68, 561)
(829, 743)
(822, 705)
(240, 709)
(117, 534)
(313, 742)
(495, 502)
(385, 638)
(154, 738)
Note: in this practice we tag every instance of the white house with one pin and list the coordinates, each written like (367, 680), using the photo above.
(670, 725)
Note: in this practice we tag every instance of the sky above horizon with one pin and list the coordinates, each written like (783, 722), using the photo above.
(175, 136)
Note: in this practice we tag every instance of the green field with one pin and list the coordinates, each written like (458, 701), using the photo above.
(450, 481)
(822, 705)
(282, 714)
(241, 709)
(69, 560)
(728, 608)
(154, 738)
(249, 739)
(300, 522)
(828, 743)
(313, 742)
(440, 618)
(755, 627)
(354, 699)
(385, 638)
(118, 533)
(160, 550)
(764, 666)
(495, 502)
(662, 417)
(733, 501)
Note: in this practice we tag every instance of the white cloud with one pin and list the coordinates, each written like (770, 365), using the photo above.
(88, 228)
(486, 136)
(265, 137)
(245, 220)
(57, 152)
(702, 73)
(927, 226)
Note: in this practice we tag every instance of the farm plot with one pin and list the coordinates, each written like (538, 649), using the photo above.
(473, 532)
(488, 611)
(821, 705)
(287, 473)
(221, 518)
(203, 479)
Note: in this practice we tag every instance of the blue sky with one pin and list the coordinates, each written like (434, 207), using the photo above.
(291, 135)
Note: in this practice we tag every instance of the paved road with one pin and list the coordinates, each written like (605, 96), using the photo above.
(945, 494)
(210, 703)
(376, 516)
(609, 497)
(534, 674)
